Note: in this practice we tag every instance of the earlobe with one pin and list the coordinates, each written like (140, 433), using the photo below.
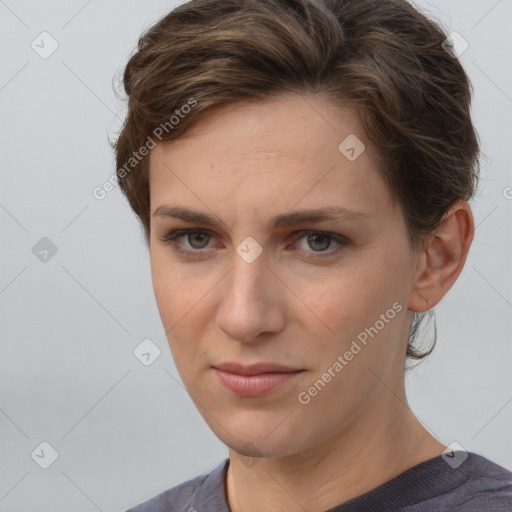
(443, 258)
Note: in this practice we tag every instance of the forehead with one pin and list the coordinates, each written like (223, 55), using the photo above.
(270, 154)
(291, 124)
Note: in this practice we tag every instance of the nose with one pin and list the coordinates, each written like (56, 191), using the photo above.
(253, 302)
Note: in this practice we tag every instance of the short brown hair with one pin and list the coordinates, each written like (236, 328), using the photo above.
(385, 58)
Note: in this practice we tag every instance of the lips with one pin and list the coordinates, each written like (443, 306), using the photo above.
(255, 379)
(255, 369)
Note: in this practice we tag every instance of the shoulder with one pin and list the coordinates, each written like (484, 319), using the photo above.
(488, 487)
(455, 482)
(477, 485)
(203, 491)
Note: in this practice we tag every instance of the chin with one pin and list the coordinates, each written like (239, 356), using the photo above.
(250, 441)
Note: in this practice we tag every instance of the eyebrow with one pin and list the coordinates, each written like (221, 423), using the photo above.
(332, 213)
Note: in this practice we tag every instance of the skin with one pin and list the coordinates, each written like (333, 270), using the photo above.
(298, 303)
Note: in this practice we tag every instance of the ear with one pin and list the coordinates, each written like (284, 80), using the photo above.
(443, 257)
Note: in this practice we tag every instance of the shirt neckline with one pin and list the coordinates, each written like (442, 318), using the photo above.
(406, 489)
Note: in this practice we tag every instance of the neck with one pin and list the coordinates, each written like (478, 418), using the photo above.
(378, 445)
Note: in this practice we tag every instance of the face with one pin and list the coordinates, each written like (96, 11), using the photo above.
(281, 270)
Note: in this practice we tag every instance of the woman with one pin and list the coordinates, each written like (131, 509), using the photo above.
(301, 169)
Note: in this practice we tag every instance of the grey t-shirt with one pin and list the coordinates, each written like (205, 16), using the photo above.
(474, 485)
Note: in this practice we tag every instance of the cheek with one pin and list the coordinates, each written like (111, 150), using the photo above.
(343, 300)
(176, 291)
(174, 297)
(362, 348)
(182, 301)
(350, 304)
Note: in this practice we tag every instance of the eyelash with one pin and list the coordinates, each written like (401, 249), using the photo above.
(170, 239)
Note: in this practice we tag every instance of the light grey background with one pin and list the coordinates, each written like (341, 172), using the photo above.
(123, 431)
